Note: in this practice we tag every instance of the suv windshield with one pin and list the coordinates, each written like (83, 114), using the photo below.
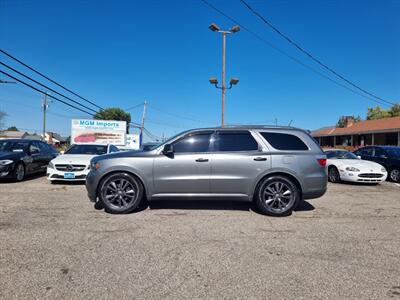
(87, 149)
(340, 154)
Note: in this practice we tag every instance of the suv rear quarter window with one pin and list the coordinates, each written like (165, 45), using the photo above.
(284, 141)
(235, 141)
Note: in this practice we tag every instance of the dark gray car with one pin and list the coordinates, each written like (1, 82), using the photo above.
(276, 167)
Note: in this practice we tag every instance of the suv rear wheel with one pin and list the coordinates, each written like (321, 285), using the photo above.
(120, 193)
(277, 196)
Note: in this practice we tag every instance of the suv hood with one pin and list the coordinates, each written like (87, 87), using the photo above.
(79, 159)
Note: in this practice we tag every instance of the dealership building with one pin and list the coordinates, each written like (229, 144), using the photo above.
(357, 134)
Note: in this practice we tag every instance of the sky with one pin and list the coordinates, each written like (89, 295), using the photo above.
(121, 53)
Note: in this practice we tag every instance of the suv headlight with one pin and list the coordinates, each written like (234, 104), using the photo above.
(352, 169)
(5, 162)
(50, 165)
(383, 170)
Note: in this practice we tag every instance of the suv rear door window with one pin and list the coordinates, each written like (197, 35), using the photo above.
(192, 143)
(284, 141)
(235, 141)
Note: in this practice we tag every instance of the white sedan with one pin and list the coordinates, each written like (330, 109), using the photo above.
(343, 165)
(74, 165)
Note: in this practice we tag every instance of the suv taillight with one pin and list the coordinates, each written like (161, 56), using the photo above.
(321, 159)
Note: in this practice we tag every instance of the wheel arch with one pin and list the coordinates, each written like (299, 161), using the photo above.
(288, 175)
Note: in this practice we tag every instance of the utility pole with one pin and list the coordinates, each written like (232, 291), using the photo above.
(214, 81)
(142, 124)
(45, 105)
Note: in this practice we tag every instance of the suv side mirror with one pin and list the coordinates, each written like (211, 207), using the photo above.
(168, 150)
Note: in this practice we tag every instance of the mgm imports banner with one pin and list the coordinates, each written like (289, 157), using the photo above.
(98, 131)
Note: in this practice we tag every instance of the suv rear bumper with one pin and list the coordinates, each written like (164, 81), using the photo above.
(315, 187)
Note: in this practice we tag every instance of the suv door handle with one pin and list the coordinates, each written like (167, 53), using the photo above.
(202, 160)
(260, 158)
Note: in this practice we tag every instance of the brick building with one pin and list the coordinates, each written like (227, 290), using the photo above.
(370, 132)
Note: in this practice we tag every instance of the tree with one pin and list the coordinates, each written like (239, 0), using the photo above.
(342, 120)
(395, 110)
(377, 112)
(114, 113)
(3, 116)
(12, 128)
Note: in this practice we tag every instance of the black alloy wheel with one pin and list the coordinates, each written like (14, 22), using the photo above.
(19, 172)
(277, 196)
(395, 175)
(120, 193)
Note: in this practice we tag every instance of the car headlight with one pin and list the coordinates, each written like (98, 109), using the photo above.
(50, 165)
(352, 169)
(5, 162)
(94, 165)
(383, 170)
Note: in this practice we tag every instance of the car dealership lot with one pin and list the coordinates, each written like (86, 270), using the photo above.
(54, 244)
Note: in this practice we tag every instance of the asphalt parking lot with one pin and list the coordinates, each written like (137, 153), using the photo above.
(54, 244)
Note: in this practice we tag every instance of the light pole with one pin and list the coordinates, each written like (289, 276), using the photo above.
(214, 27)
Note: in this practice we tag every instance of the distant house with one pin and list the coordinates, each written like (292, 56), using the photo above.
(370, 132)
(55, 139)
(10, 134)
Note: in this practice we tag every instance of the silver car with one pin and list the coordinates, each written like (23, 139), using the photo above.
(276, 167)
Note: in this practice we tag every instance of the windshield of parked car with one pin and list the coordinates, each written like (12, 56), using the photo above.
(16, 146)
(5, 145)
(87, 149)
(393, 152)
(340, 154)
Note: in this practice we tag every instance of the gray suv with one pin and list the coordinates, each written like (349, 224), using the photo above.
(276, 167)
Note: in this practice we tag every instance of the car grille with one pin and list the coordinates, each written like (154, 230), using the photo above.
(370, 175)
(70, 168)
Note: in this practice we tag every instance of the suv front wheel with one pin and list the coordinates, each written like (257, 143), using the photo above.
(277, 196)
(120, 193)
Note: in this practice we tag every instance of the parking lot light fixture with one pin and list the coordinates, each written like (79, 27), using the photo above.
(214, 81)
(214, 27)
(234, 81)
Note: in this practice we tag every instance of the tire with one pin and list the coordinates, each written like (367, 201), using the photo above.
(19, 172)
(277, 196)
(120, 193)
(394, 175)
(333, 175)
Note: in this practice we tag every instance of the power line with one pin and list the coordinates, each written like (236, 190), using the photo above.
(49, 79)
(133, 107)
(46, 87)
(269, 44)
(178, 116)
(43, 92)
(269, 24)
(38, 108)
